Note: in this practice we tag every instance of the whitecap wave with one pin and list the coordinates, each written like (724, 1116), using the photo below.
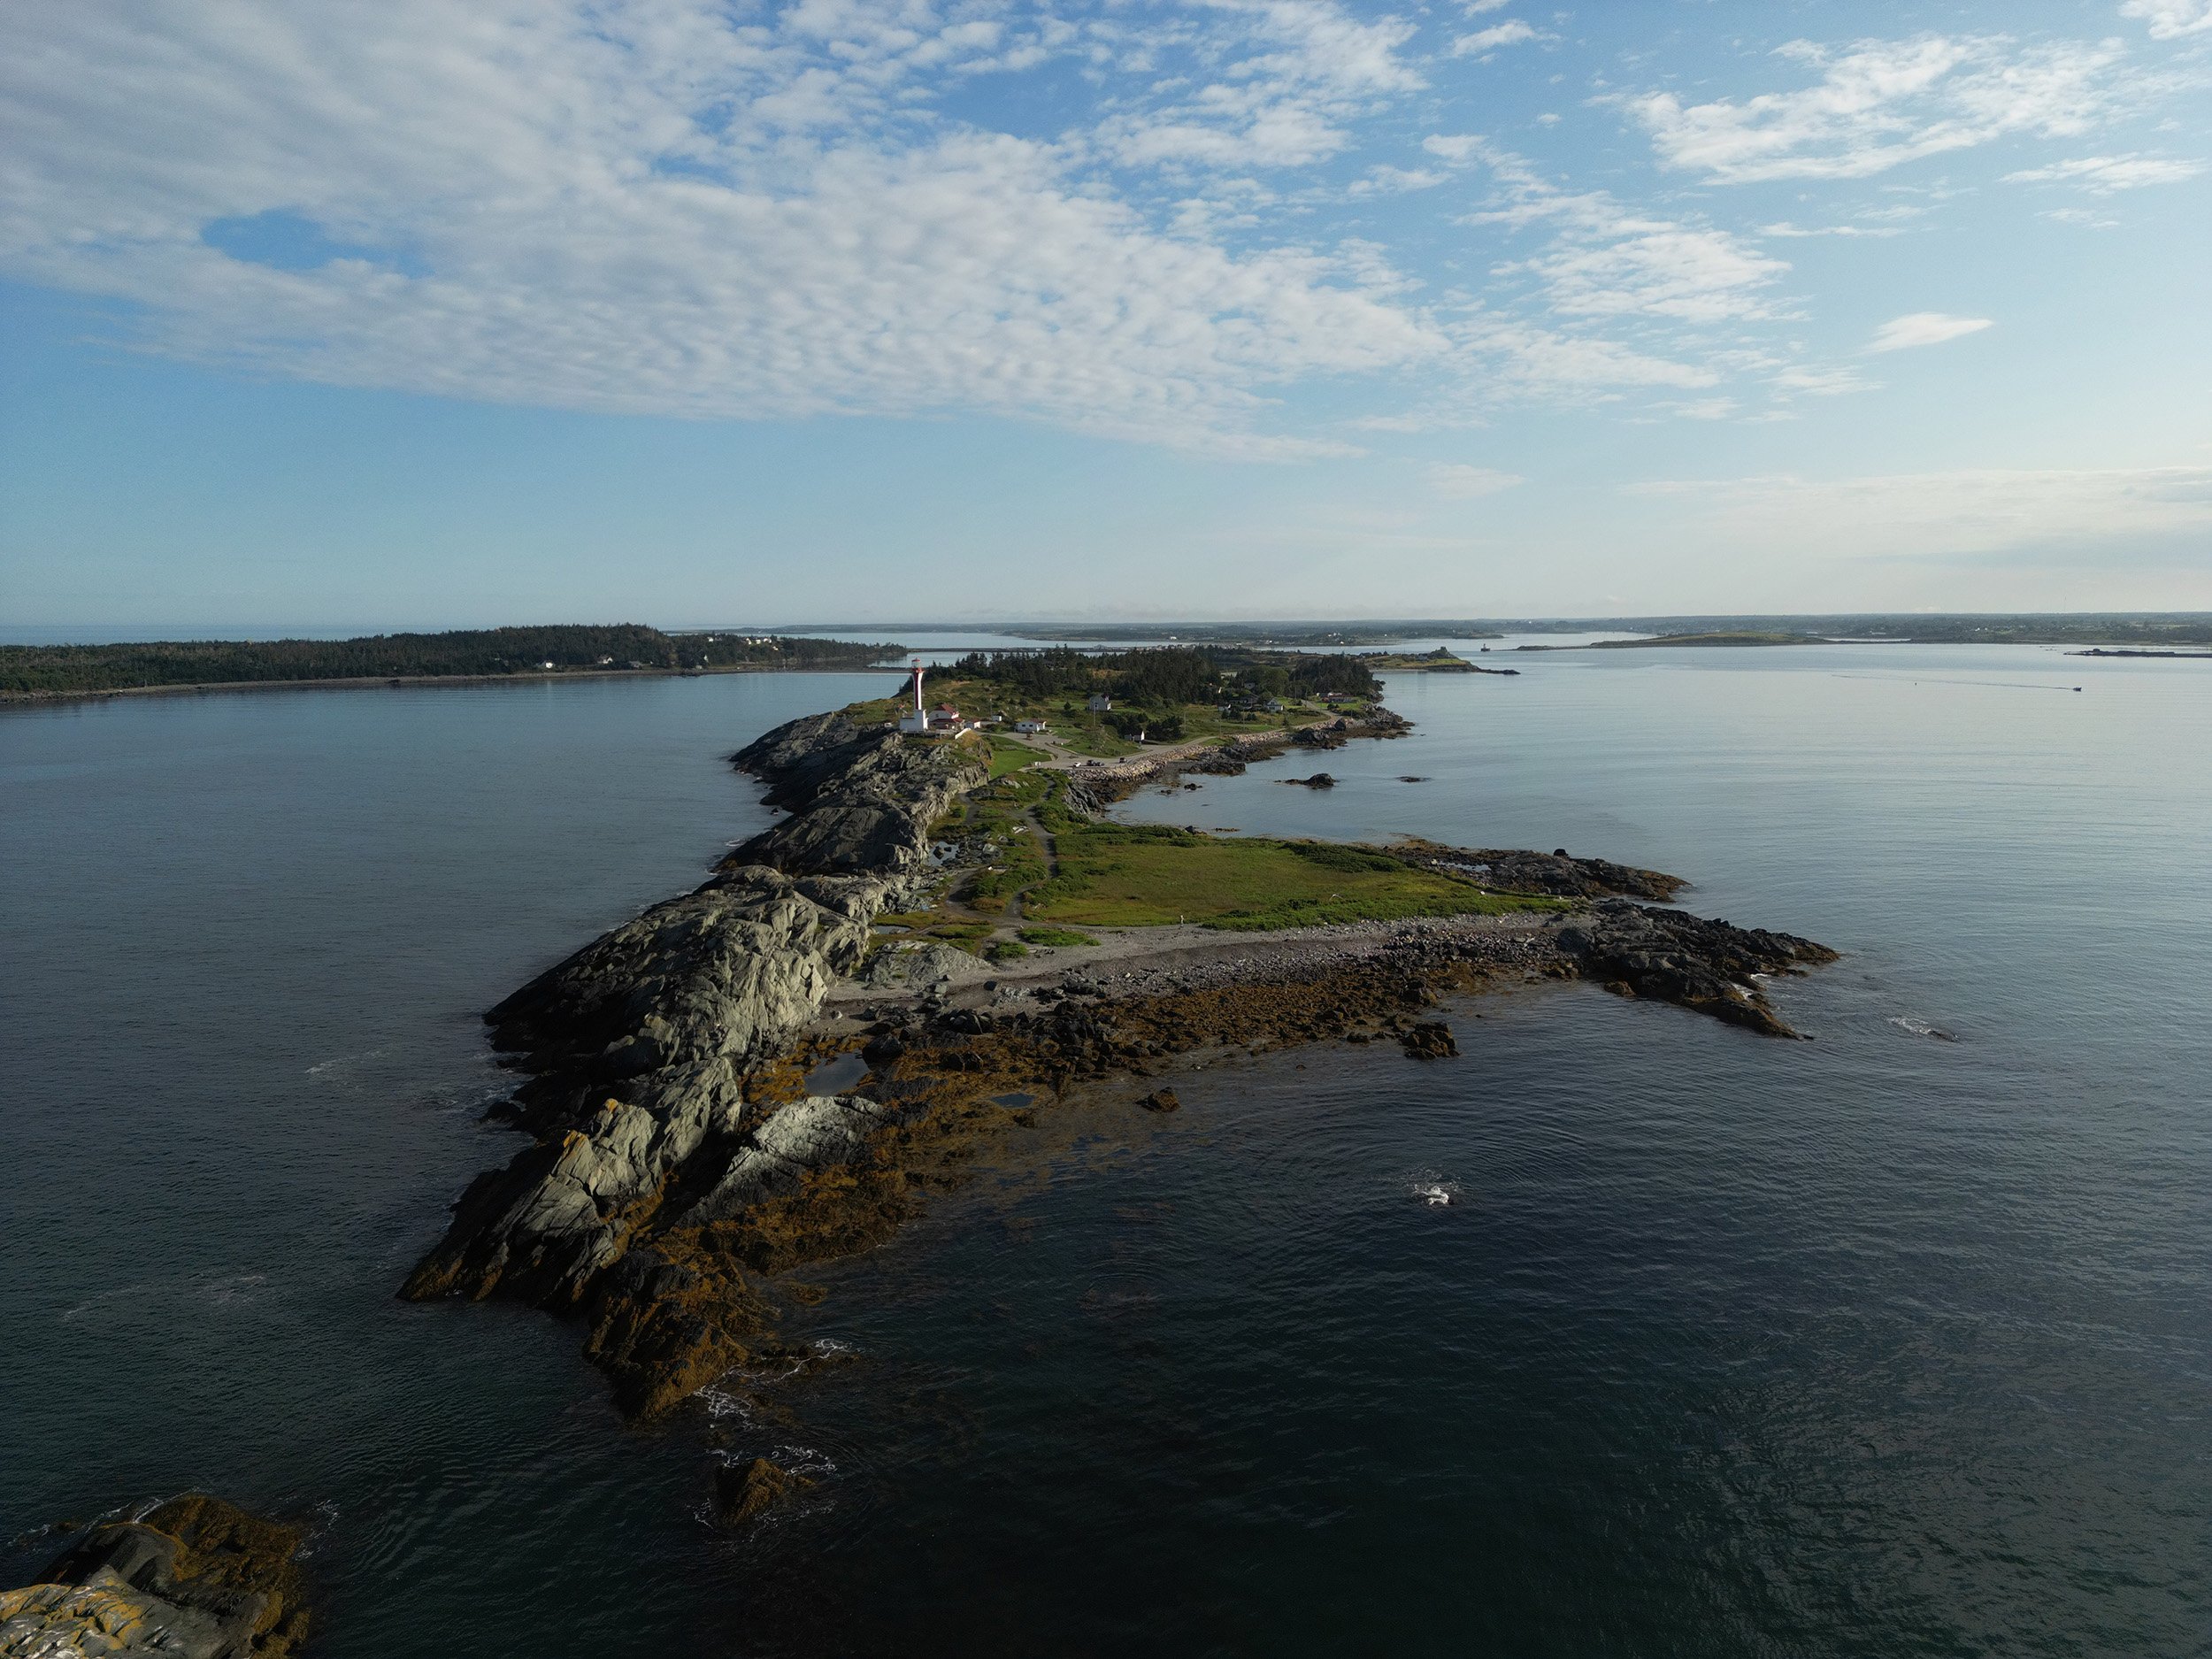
(1434, 1190)
(1920, 1027)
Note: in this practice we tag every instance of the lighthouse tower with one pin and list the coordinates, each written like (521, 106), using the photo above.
(915, 719)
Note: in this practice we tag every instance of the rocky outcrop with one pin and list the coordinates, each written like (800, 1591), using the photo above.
(1555, 874)
(794, 1142)
(861, 798)
(1092, 788)
(195, 1578)
(1712, 967)
(645, 1049)
(746, 1493)
(1430, 1040)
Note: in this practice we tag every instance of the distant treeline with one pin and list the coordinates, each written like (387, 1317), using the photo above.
(61, 669)
(1169, 674)
(2107, 627)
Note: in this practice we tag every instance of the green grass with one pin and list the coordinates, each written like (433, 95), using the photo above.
(1005, 951)
(1115, 875)
(1055, 936)
(1008, 756)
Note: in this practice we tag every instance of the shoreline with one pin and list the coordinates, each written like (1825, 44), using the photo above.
(407, 682)
(679, 1162)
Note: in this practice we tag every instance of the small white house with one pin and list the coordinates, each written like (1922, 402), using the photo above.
(1101, 702)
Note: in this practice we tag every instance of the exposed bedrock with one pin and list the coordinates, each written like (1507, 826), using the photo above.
(1708, 967)
(1555, 874)
(640, 1045)
(195, 1578)
(861, 798)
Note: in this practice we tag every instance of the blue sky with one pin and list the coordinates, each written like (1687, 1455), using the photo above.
(413, 313)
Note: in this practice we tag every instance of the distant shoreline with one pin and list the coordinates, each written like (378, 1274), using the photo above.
(403, 682)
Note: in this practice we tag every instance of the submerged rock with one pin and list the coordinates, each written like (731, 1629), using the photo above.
(195, 1578)
(742, 1495)
(1162, 1100)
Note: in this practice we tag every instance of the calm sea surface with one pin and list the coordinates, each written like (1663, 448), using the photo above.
(1881, 1344)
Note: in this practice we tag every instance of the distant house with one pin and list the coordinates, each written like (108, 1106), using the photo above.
(1029, 727)
(1101, 702)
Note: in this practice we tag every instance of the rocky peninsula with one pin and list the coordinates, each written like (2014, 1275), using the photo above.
(679, 1164)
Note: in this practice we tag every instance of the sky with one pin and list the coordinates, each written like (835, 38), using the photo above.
(404, 313)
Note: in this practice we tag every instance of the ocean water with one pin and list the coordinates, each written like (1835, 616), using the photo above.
(1896, 1342)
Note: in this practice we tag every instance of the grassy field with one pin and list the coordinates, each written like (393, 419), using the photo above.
(1114, 875)
(1008, 756)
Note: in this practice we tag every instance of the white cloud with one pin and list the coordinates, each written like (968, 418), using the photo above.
(648, 205)
(1388, 180)
(1924, 329)
(2168, 19)
(1934, 514)
(1457, 481)
(2104, 175)
(1607, 260)
(1270, 84)
(1786, 229)
(1512, 31)
(1879, 103)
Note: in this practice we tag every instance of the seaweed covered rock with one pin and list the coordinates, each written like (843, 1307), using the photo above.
(1430, 1040)
(195, 1578)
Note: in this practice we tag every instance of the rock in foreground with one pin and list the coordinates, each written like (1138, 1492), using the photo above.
(195, 1578)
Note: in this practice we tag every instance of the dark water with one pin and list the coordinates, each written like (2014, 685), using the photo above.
(1881, 1344)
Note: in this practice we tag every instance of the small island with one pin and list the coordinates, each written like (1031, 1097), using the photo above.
(945, 937)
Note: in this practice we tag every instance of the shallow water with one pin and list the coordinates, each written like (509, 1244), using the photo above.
(1876, 1344)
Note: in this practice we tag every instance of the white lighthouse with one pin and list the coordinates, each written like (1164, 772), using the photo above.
(916, 719)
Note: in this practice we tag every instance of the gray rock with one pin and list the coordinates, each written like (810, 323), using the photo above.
(641, 1039)
(812, 1133)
